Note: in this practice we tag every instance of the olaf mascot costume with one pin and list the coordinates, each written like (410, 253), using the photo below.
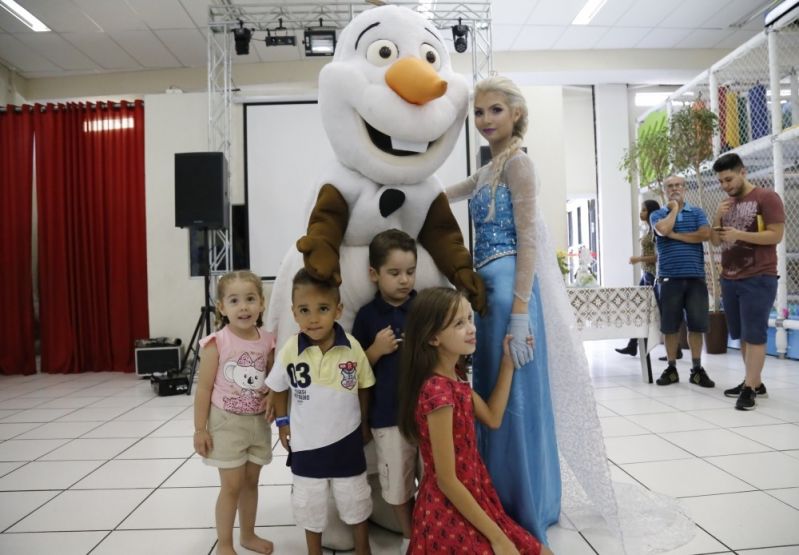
(392, 108)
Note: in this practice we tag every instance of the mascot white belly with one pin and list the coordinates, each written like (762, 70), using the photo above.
(392, 108)
(364, 196)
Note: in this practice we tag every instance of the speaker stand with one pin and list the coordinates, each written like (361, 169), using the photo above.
(194, 344)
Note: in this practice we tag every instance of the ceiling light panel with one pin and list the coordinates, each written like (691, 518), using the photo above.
(588, 12)
(62, 17)
(29, 20)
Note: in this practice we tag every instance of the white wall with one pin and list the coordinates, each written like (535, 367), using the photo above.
(578, 132)
(12, 87)
(545, 144)
(172, 123)
(615, 205)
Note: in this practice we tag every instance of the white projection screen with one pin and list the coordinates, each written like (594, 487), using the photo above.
(286, 152)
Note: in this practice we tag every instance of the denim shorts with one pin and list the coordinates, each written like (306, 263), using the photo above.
(747, 304)
(683, 298)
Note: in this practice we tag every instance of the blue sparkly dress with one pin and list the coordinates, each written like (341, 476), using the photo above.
(548, 457)
(522, 455)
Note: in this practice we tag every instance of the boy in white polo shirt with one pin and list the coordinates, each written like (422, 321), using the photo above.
(327, 372)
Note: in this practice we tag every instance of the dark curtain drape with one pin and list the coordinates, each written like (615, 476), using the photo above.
(92, 239)
(16, 293)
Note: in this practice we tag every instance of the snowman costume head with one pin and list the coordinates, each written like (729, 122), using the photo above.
(392, 108)
(390, 102)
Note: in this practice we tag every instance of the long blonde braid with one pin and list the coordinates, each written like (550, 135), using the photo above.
(515, 101)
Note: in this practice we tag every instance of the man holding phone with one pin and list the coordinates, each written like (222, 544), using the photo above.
(681, 228)
(748, 225)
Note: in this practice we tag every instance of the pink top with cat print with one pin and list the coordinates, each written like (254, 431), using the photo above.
(239, 385)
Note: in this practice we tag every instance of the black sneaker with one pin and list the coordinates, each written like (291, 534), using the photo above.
(746, 400)
(668, 377)
(666, 357)
(632, 351)
(735, 391)
(700, 378)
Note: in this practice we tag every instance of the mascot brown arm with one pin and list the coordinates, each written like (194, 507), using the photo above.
(326, 227)
(442, 238)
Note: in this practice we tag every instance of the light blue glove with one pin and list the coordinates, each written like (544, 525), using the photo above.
(521, 352)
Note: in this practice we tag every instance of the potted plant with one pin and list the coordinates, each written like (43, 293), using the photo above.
(649, 157)
(691, 133)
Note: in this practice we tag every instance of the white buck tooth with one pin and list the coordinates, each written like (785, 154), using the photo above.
(409, 146)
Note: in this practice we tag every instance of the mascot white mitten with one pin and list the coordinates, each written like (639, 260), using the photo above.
(392, 108)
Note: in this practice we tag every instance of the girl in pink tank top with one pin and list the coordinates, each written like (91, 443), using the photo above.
(231, 425)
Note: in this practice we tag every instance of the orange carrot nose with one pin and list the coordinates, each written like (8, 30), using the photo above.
(415, 81)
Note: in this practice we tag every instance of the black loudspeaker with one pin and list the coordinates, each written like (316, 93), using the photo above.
(201, 190)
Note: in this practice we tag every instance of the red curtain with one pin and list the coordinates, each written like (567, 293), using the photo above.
(16, 294)
(92, 239)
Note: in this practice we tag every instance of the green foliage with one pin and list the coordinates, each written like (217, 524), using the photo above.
(649, 157)
(691, 136)
(692, 130)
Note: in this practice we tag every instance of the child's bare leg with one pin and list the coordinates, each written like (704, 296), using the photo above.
(226, 503)
(248, 505)
(404, 515)
(314, 542)
(546, 551)
(361, 533)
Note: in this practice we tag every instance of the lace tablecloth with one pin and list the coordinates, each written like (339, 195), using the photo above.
(618, 313)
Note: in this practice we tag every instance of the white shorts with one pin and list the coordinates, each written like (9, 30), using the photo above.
(309, 499)
(396, 465)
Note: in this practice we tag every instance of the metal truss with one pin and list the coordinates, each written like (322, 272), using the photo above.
(295, 17)
(219, 241)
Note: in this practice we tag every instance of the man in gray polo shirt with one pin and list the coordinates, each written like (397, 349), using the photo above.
(680, 229)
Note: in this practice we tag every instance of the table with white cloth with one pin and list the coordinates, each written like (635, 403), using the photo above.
(618, 313)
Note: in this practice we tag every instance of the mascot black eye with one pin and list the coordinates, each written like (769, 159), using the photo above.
(430, 54)
(382, 52)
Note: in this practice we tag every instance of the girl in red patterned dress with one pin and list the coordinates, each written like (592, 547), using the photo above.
(457, 509)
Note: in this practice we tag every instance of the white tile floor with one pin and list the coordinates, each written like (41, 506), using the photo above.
(95, 463)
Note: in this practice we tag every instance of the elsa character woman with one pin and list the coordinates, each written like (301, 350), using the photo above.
(548, 456)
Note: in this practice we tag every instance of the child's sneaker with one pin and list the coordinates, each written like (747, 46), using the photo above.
(746, 400)
(700, 378)
(668, 377)
(735, 391)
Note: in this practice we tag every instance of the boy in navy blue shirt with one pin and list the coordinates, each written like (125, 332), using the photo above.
(379, 325)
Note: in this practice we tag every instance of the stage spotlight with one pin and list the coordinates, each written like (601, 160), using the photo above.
(320, 41)
(459, 33)
(241, 37)
(280, 40)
